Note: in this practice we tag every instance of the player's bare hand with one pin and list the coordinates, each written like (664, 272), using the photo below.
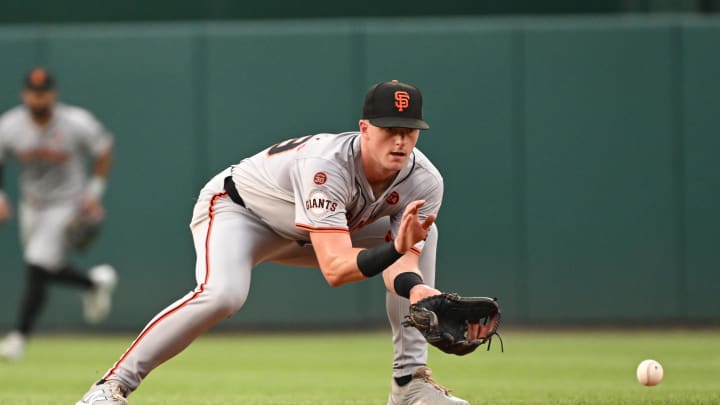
(5, 209)
(93, 209)
(421, 291)
(411, 229)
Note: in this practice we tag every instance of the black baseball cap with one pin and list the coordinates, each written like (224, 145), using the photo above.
(394, 104)
(39, 79)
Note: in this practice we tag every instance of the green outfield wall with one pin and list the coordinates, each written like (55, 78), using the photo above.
(579, 156)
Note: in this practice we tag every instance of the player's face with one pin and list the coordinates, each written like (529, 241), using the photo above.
(389, 148)
(39, 103)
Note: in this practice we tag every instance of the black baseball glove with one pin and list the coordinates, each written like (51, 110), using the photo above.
(444, 320)
(82, 231)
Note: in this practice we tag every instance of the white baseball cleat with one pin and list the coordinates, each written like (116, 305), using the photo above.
(110, 392)
(98, 300)
(13, 346)
(422, 390)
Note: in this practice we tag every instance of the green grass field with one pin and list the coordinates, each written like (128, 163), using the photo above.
(536, 368)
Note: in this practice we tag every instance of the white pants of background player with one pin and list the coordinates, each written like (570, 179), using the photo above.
(229, 242)
(42, 233)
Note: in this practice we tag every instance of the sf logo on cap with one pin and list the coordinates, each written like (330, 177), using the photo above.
(402, 100)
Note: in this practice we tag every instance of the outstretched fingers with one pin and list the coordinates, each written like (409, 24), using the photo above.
(413, 208)
(412, 230)
(428, 221)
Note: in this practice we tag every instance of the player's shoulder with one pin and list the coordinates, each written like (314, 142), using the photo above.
(424, 166)
(330, 146)
(12, 117)
(75, 114)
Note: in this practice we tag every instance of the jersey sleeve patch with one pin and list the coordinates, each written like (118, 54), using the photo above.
(320, 178)
(320, 193)
(318, 204)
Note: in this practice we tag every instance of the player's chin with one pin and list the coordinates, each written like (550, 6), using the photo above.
(396, 162)
(394, 166)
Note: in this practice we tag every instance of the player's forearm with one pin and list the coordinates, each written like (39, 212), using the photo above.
(354, 264)
(342, 269)
(96, 186)
(102, 164)
(341, 263)
(403, 276)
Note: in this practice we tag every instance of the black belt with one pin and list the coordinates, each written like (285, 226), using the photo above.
(232, 191)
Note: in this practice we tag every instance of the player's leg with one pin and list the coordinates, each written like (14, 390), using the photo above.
(412, 382)
(71, 276)
(49, 246)
(31, 304)
(223, 270)
(409, 346)
(228, 242)
(43, 252)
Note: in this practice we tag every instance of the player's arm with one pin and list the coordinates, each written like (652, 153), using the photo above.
(341, 263)
(336, 257)
(5, 210)
(98, 143)
(103, 163)
(92, 203)
(404, 279)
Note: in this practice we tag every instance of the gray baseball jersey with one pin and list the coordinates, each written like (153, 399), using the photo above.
(51, 160)
(316, 183)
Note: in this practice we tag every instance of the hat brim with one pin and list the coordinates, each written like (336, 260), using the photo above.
(399, 122)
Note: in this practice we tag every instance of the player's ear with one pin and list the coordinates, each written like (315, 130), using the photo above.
(363, 125)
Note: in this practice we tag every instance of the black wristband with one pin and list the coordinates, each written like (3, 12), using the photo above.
(373, 261)
(404, 282)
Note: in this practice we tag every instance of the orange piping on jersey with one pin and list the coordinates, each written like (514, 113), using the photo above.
(322, 229)
(200, 289)
(415, 251)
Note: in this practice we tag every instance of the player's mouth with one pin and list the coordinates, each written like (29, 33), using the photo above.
(398, 154)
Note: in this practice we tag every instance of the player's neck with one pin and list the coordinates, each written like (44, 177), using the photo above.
(42, 121)
(378, 176)
(380, 181)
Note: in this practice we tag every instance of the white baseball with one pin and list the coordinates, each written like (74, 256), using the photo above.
(649, 373)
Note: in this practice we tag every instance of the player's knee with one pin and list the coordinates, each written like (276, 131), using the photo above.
(44, 259)
(46, 264)
(226, 301)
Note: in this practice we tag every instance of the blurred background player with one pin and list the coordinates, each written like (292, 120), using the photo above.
(50, 141)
